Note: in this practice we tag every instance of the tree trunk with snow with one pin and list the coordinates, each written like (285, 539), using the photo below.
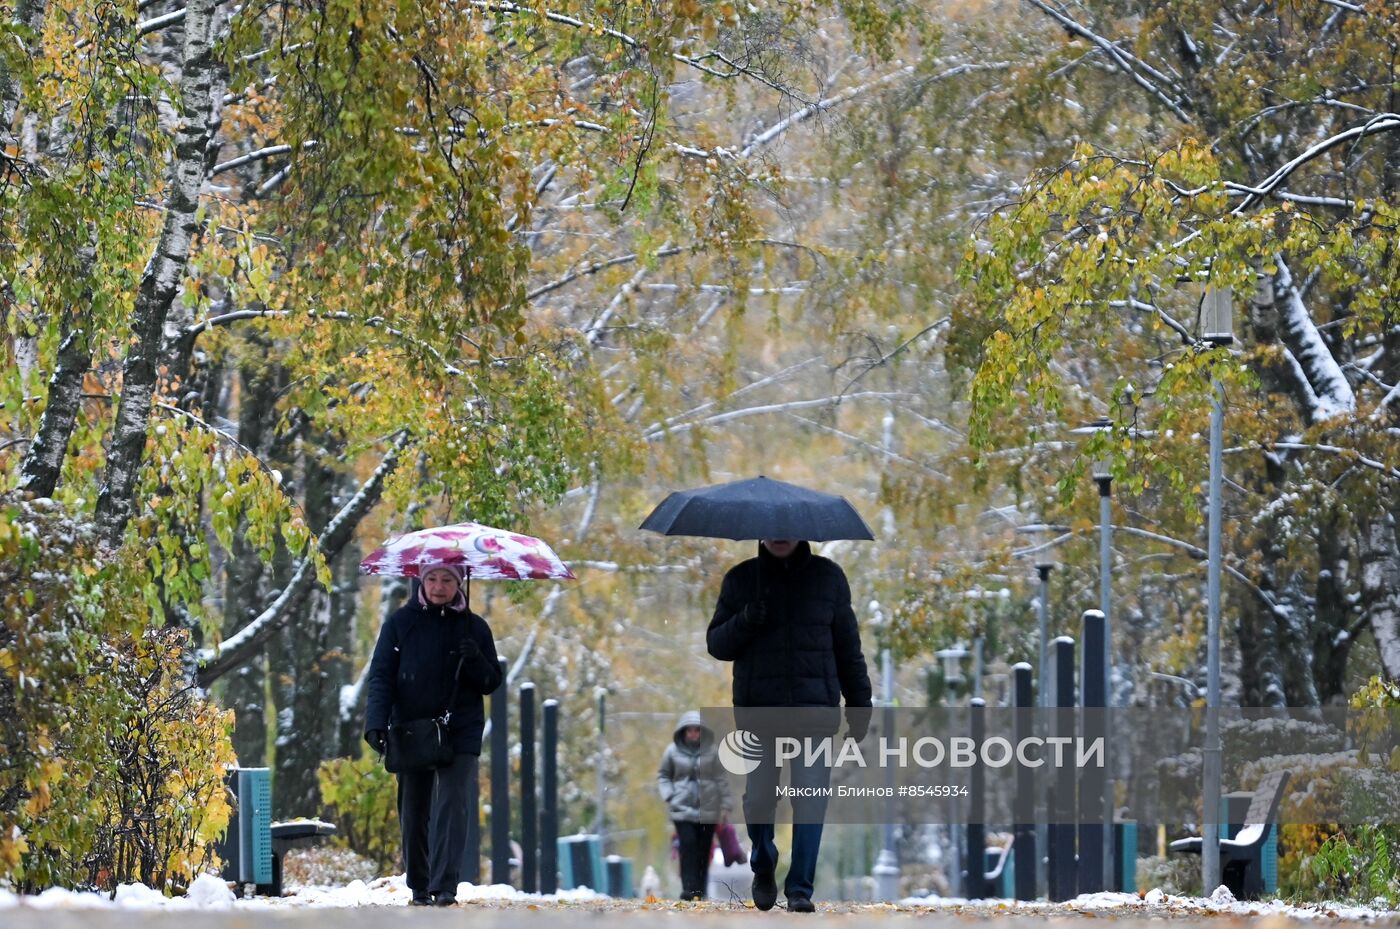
(248, 588)
(164, 273)
(44, 462)
(317, 655)
(1380, 588)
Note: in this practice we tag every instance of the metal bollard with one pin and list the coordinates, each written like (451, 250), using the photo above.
(1093, 688)
(549, 801)
(529, 838)
(1023, 805)
(1062, 818)
(500, 782)
(975, 886)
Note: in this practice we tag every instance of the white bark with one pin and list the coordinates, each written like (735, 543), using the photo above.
(1380, 588)
(164, 272)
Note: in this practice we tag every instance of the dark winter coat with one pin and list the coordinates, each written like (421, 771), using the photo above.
(690, 778)
(807, 651)
(410, 675)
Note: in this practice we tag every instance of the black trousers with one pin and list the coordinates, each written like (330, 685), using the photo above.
(696, 840)
(433, 819)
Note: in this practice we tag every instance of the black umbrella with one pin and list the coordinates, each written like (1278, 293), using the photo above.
(758, 508)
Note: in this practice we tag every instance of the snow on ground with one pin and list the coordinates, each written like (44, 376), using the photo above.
(1155, 904)
(211, 893)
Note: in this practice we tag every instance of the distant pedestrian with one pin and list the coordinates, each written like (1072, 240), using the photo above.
(696, 791)
(785, 619)
(429, 650)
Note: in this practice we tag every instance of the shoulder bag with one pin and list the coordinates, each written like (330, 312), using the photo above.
(422, 744)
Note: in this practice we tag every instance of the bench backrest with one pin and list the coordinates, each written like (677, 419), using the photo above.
(1267, 797)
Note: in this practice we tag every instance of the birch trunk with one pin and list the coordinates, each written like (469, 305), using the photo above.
(44, 462)
(1380, 588)
(160, 282)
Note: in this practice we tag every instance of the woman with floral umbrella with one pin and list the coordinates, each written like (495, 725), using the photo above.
(435, 658)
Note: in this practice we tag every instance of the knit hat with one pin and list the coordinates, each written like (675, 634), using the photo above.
(456, 570)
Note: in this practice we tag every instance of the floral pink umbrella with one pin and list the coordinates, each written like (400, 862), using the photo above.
(483, 552)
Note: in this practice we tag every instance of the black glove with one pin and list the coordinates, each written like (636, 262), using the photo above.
(467, 648)
(756, 612)
(377, 739)
(858, 722)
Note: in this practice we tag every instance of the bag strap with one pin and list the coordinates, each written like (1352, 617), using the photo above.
(456, 685)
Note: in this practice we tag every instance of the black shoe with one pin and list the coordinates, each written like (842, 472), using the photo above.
(421, 898)
(801, 905)
(445, 900)
(765, 890)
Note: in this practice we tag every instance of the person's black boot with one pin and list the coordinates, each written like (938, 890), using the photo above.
(765, 890)
(801, 905)
(421, 898)
(445, 900)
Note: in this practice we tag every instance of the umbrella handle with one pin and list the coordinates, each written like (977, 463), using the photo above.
(758, 575)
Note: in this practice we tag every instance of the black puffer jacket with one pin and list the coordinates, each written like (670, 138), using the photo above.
(410, 675)
(807, 652)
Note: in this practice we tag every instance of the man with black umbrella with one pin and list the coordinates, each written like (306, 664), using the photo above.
(785, 619)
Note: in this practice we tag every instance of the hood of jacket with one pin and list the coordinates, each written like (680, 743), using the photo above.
(692, 718)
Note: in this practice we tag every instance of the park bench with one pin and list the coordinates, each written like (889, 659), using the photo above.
(1242, 857)
(253, 847)
(998, 875)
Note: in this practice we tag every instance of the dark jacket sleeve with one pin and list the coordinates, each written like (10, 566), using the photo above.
(730, 630)
(481, 669)
(850, 662)
(383, 676)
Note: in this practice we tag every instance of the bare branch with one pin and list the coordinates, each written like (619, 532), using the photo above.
(663, 431)
(1126, 62)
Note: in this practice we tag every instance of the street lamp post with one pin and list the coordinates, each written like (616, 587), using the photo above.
(1217, 329)
(886, 870)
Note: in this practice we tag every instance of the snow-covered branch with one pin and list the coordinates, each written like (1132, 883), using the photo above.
(588, 270)
(146, 27)
(1385, 122)
(235, 651)
(614, 567)
(270, 151)
(659, 432)
(1194, 551)
(1128, 63)
(1348, 453)
(698, 62)
(193, 331)
(1333, 392)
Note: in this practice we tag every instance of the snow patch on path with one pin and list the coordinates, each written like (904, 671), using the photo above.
(1154, 904)
(209, 892)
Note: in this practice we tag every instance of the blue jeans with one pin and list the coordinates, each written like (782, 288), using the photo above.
(808, 814)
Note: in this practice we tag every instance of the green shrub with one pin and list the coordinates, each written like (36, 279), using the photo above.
(362, 798)
(1356, 863)
(111, 763)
